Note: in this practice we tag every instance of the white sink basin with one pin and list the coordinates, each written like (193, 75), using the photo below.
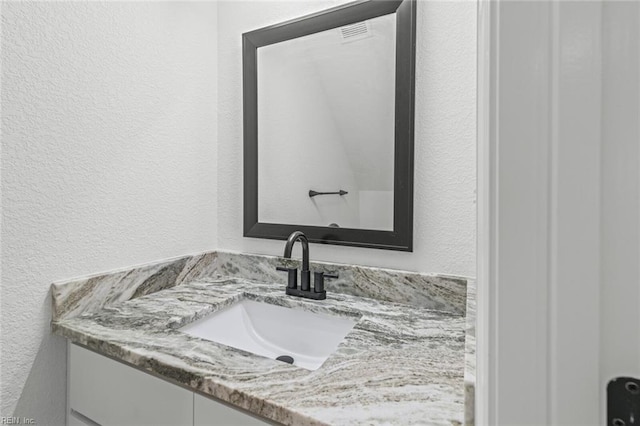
(272, 331)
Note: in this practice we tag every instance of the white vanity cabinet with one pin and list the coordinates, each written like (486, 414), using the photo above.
(207, 412)
(111, 393)
(106, 392)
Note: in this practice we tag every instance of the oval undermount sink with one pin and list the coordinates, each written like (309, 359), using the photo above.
(274, 331)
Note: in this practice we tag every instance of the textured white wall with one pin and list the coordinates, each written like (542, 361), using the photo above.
(445, 176)
(108, 159)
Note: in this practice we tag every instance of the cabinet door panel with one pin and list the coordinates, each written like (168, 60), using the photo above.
(111, 393)
(208, 412)
(76, 419)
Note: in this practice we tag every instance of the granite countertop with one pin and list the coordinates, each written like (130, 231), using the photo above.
(399, 365)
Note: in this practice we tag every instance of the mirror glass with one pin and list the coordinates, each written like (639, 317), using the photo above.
(326, 123)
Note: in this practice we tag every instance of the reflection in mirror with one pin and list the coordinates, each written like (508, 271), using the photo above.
(326, 123)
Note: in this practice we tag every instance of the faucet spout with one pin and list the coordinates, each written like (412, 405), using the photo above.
(295, 236)
(318, 292)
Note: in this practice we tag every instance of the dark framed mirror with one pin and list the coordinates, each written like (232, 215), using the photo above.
(329, 126)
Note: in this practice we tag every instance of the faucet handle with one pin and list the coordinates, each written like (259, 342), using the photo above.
(292, 279)
(318, 280)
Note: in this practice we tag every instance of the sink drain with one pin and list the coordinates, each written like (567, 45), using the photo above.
(285, 358)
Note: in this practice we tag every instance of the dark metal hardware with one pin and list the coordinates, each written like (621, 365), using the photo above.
(295, 236)
(318, 292)
(292, 276)
(318, 281)
(305, 275)
(305, 280)
(313, 193)
(285, 358)
(306, 294)
(623, 401)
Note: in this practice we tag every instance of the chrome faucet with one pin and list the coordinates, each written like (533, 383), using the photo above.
(318, 292)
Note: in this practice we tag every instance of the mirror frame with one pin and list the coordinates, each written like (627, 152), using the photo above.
(401, 238)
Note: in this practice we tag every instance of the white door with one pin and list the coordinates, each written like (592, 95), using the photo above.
(559, 209)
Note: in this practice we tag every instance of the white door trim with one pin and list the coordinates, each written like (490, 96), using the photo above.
(513, 213)
(539, 113)
(484, 394)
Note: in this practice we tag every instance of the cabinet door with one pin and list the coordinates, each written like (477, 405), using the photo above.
(76, 419)
(209, 412)
(112, 393)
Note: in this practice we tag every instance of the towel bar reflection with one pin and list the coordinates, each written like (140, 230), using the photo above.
(313, 193)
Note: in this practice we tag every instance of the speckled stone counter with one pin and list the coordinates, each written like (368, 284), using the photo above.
(470, 356)
(400, 364)
(90, 294)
